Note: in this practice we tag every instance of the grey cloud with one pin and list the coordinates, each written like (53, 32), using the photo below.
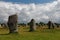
(40, 12)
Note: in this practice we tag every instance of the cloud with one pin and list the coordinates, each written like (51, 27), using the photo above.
(39, 12)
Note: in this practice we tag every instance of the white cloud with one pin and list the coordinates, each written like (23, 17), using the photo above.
(40, 12)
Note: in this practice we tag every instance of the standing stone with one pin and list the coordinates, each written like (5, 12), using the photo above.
(49, 25)
(12, 23)
(32, 25)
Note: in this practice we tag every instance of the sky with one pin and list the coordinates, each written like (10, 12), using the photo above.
(28, 1)
(40, 10)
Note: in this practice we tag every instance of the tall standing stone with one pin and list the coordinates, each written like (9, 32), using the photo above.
(12, 23)
(32, 25)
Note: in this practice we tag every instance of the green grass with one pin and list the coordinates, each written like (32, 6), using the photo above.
(23, 34)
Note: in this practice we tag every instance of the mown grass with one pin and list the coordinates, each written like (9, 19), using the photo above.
(23, 34)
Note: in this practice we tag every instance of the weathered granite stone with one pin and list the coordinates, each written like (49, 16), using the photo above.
(32, 25)
(12, 23)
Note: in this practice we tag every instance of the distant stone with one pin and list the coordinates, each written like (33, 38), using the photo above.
(51, 25)
(32, 25)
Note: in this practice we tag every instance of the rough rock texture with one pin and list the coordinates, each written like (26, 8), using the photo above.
(32, 25)
(12, 23)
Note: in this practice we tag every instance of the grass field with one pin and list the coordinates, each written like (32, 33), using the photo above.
(23, 34)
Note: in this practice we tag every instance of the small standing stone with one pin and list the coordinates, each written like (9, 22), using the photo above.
(49, 25)
(32, 25)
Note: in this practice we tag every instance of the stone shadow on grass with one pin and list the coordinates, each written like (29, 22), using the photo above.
(9, 33)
